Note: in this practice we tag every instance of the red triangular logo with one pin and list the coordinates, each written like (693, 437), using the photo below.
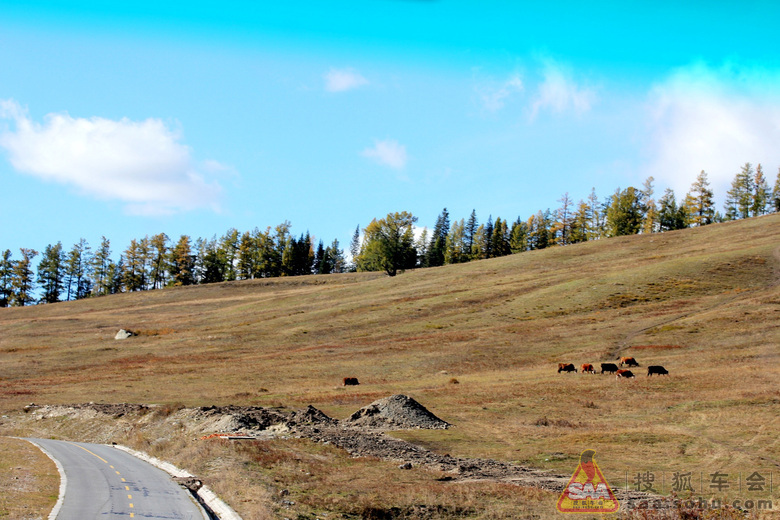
(588, 490)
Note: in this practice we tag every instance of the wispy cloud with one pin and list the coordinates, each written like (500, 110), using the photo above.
(387, 153)
(494, 97)
(341, 80)
(559, 92)
(141, 163)
(715, 120)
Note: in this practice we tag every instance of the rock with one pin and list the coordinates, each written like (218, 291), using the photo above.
(123, 334)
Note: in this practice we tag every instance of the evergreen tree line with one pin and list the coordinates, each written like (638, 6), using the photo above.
(386, 244)
(157, 262)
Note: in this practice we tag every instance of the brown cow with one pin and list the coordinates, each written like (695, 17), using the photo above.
(657, 369)
(624, 373)
(628, 361)
(351, 381)
(587, 368)
(566, 367)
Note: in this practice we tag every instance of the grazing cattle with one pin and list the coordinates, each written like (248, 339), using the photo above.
(609, 368)
(628, 361)
(624, 373)
(587, 368)
(657, 369)
(566, 367)
(351, 381)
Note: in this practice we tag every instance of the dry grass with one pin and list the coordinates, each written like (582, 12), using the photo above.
(28, 479)
(702, 302)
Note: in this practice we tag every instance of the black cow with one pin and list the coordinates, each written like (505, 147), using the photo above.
(351, 381)
(657, 369)
(566, 367)
(609, 368)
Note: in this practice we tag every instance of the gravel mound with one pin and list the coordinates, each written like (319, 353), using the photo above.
(396, 412)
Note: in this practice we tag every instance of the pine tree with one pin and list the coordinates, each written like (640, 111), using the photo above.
(739, 199)
(438, 245)
(539, 226)
(500, 240)
(518, 241)
(479, 243)
(581, 222)
(22, 283)
(6, 278)
(670, 216)
(213, 265)
(134, 267)
(51, 273)
(181, 263)
(245, 267)
(562, 226)
(228, 248)
(761, 193)
(700, 202)
(158, 255)
(422, 245)
(77, 271)
(625, 212)
(488, 240)
(114, 276)
(270, 254)
(650, 210)
(354, 248)
(101, 284)
(336, 256)
(774, 203)
(597, 215)
(470, 229)
(320, 265)
(288, 256)
(455, 244)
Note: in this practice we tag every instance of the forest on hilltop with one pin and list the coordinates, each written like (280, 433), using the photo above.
(386, 244)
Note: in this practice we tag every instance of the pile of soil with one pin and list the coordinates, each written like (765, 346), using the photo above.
(361, 435)
(396, 412)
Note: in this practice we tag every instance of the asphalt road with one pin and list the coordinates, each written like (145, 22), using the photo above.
(104, 483)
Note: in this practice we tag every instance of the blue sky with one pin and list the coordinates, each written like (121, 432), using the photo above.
(192, 118)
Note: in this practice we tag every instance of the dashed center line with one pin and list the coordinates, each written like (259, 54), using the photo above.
(127, 488)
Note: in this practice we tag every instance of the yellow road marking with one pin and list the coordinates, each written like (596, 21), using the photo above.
(85, 449)
(129, 497)
(131, 505)
(123, 480)
(112, 467)
(118, 473)
(127, 488)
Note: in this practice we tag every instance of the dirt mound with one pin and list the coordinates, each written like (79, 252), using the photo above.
(396, 412)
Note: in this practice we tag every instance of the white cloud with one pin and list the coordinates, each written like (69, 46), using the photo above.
(387, 153)
(494, 97)
(716, 121)
(340, 80)
(140, 163)
(559, 92)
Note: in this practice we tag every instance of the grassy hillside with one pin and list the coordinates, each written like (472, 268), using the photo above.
(704, 302)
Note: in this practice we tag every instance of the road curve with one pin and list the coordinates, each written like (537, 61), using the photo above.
(103, 482)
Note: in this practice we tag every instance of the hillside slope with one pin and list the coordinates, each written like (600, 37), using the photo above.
(703, 302)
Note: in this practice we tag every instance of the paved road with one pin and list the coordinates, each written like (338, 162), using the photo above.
(106, 483)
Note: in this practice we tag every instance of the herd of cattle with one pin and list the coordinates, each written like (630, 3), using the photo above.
(612, 368)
